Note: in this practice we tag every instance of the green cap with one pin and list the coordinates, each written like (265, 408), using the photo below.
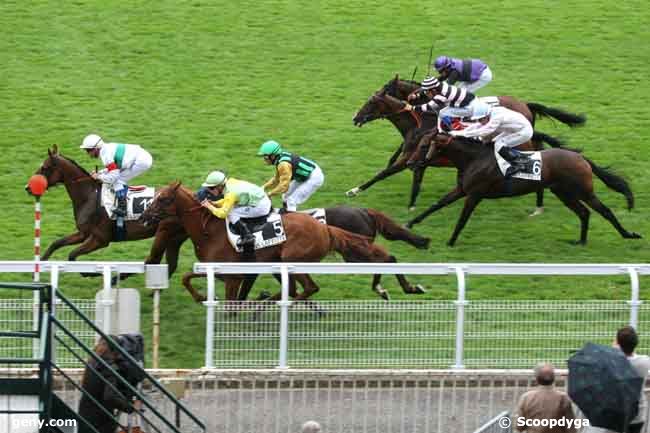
(215, 178)
(270, 148)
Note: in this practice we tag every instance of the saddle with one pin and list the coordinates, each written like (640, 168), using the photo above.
(267, 230)
(137, 200)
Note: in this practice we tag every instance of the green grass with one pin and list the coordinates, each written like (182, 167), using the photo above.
(202, 84)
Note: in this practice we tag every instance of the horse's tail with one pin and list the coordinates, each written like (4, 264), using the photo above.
(355, 248)
(613, 181)
(565, 117)
(392, 231)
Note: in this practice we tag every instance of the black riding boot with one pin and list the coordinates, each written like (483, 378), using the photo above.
(120, 210)
(247, 239)
(515, 158)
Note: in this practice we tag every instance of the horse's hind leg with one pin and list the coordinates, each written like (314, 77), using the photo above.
(539, 204)
(606, 212)
(89, 245)
(470, 204)
(309, 287)
(571, 201)
(418, 175)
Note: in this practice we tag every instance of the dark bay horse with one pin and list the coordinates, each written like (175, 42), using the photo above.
(568, 174)
(307, 240)
(412, 125)
(94, 227)
(365, 222)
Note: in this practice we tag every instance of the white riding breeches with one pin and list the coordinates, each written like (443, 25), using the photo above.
(473, 86)
(512, 139)
(263, 208)
(299, 192)
(140, 165)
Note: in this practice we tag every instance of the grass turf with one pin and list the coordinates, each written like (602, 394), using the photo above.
(202, 84)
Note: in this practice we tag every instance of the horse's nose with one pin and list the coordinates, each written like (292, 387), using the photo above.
(28, 189)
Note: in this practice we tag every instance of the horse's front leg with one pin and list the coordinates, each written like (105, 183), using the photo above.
(470, 204)
(448, 199)
(418, 175)
(89, 245)
(187, 283)
(73, 239)
(395, 155)
(397, 166)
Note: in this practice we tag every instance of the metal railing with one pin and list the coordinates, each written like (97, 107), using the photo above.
(476, 334)
(53, 330)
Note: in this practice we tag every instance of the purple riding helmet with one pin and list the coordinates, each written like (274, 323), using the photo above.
(442, 62)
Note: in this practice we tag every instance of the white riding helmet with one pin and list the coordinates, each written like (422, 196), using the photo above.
(215, 178)
(481, 110)
(92, 141)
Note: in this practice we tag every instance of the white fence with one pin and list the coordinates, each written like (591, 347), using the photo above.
(460, 334)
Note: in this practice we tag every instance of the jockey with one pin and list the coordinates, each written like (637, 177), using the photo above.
(451, 101)
(297, 178)
(240, 200)
(470, 74)
(122, 162)
(511, 130)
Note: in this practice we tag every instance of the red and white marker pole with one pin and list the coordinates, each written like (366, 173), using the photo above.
(37, 187)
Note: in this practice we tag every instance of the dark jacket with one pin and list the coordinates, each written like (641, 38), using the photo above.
(104, 394)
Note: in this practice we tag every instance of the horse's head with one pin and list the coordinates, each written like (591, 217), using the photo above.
(164, 205)
(380, 106)
(52, 168)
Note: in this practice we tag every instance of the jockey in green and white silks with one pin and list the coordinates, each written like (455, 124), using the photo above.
(122, 162)
(296, 177)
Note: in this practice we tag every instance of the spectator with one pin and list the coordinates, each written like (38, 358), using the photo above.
(545, 402)
(627, 340)
(110, 397)
(311, 427)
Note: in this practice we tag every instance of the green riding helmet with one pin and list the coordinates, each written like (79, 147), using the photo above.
(270, 148)
(215, 178)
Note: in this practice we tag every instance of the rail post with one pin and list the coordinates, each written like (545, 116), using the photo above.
(284, 305)
(634, 301)
(156, 277)
(107, 301)
(210, 304)
(460, 303)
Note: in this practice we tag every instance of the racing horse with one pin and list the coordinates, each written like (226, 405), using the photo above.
(366, 222)
(95, 229)
(567, 173)
(412, 125)
(307, 240)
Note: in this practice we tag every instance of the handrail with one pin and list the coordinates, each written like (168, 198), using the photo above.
(128, 357)
(94, 355)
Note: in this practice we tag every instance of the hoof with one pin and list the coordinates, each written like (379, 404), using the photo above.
(419, 290)
(200, 298)
(378, 289)
(633, 235)
(353, 192)
(451, 243)
(578, 243)
(408, 225)
(411, 208)
(537, 211)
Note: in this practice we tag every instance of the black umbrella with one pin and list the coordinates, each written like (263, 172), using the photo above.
(605, 386)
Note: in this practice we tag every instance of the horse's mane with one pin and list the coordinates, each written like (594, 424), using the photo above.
(395, 84)
(472, 146)
(75, 163)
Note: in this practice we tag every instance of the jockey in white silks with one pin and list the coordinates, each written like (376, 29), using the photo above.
(122, 162)
(509, 129)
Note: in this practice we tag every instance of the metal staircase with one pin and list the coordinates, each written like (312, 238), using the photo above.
(35, 396)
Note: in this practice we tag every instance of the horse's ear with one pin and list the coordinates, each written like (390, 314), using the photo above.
(55, 149)
(49, 152)
(396, 77)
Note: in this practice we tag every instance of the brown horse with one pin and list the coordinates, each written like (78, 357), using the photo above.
(412, 125)
(568, 174)
(94, 227)
(307, 240)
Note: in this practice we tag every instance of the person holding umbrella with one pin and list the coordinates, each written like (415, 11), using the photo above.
(627, 340)
(605, 386)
